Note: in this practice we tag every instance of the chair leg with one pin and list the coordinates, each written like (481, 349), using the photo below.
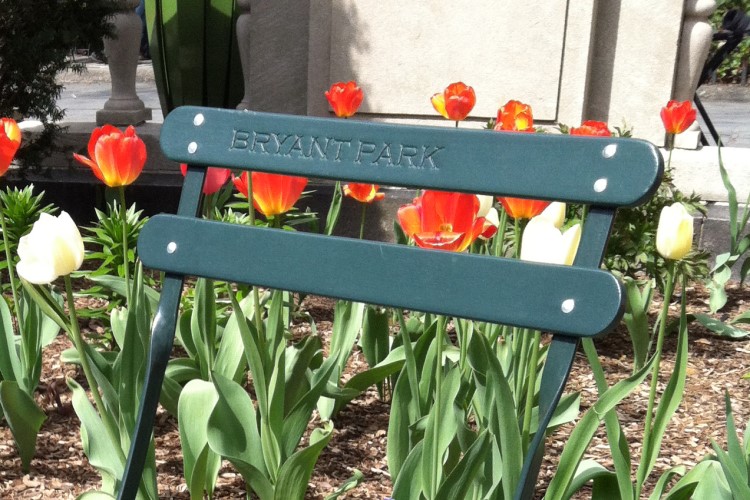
(161, 348)
(560, 358)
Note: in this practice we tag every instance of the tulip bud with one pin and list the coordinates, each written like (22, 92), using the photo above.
(485, 203)
(52, 249)
(555, 213)
(491, 223)
(543, 242)
(674, 236)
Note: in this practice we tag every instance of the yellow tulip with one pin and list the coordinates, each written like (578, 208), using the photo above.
(674, 236)
(543, 242)
(52, 249)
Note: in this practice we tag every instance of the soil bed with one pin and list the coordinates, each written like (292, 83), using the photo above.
(61, 470)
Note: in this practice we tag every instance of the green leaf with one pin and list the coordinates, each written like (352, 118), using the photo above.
(588, 470)
(104, 455)
(721, 328)
(233, 430)
(581, 436)
(347, 485)
(230, 356)
(408, 483)
(458, 482)
(440, 421)
(197, 401)
(704, 481)
(203, 325)
(295, 472)
(665, 479)
(10, 364)
(117, 285)
(334, 210)
(717, 288)
(24, 419)
(670, 399)
(375, 338)
(636, 319)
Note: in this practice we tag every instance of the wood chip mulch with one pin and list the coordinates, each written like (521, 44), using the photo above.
(60, 470)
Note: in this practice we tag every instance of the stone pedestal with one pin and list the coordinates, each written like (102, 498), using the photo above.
(124, 107)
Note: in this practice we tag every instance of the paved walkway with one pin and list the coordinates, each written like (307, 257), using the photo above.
(728, 106)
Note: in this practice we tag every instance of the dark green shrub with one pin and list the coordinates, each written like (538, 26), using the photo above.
(36, 39)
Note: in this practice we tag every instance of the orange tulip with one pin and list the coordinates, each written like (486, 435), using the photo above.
(10, 141)
(677, 116)
(592, 128)
(273, 194)
(344, 98)
(521, 208)
(365, 193)
(515, 116)
(116, 158)
(455, 102)
(215, 178)
(442, 221)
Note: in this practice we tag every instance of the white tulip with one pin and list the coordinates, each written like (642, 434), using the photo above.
(491, 220)
(555, 213)
(485, 203)
(52, 249)
(674, 236)
(543, 242)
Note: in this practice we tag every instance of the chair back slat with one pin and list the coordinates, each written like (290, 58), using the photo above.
(564, 299)
(611, 172)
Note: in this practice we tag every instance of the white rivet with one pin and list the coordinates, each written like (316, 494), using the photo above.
(171, 247)
(609, 150)
(192, 147)
(600, 185)
(568, 305)
(199, 119)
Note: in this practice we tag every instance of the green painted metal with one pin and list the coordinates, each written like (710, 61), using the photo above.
(194, 52)
(610, 172)
(492, 289)
(511, 291)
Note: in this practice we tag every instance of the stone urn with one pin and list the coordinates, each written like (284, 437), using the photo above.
(195, 53)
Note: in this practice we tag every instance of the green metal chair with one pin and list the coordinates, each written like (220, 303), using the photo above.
(570, 301)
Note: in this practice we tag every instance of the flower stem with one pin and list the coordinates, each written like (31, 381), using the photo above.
(436, 456)
(126, 264)
(647, 430)
(362, 222)
(11, 273)
(531, 376)
(409, 360)
(256, 293)
(75, 334)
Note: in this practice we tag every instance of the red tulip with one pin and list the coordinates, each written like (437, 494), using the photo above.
(443, 221)
(455, 102)
(116, 158)
(273, 194)
(515, 116)
(215, 178)
(592, 128)
(521, 208)
(677, 116)
(10, 141)
(365, 193)
(344, 98)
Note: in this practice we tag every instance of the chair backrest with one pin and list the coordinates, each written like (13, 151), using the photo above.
(573, 301)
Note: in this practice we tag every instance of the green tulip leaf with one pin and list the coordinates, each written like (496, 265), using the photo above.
(458, 482)
(295, 472)
(24, 419)
(201, 465)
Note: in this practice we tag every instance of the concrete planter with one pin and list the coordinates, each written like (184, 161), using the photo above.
(194, 52)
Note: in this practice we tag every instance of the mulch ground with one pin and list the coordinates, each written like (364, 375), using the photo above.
(61, 470)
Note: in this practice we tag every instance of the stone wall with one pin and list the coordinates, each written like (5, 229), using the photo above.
(614, 60)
